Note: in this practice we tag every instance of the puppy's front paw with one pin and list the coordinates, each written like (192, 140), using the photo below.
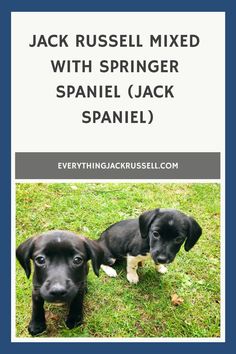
(161, 268)
(35, 328)
(74, 322)
(132, 278)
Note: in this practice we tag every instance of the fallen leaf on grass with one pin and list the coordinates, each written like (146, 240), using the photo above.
(176, 300)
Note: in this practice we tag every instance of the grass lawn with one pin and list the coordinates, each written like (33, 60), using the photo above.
(113, 307)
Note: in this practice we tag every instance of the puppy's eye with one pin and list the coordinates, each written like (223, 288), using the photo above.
(156, 234)
(77, 260)
(179, 239)
(40, 260)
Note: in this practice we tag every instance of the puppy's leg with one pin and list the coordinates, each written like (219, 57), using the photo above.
(132, 266)
(37, 323)
(161, 268)
(111, 272)
(75, 315)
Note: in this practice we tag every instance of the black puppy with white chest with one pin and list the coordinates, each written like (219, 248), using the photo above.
(60, 272)
(158, 233)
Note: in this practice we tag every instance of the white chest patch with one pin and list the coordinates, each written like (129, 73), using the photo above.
(132, 261)
(138, 258)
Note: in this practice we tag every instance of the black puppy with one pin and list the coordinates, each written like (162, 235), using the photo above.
(60, 273)
(159, 232)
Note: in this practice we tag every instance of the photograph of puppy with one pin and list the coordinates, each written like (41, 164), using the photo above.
(185, 303)
(157, 233)
(60, 273)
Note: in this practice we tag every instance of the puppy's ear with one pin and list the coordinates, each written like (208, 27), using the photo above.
(95, 253)
(194, 233)
(24, 253)
(145, 221)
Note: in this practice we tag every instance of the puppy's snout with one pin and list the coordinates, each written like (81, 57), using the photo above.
(58, 290)
(162, 259)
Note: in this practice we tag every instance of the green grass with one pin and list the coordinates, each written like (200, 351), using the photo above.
(113, 307)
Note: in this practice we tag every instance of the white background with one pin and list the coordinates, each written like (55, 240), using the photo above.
(192, 121)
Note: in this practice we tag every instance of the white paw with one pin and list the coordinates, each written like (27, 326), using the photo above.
(161, 268)
(111, 272)
(132, 278)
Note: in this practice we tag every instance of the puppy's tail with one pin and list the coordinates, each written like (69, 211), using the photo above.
(108, 259)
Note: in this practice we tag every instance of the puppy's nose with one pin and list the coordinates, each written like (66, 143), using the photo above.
(58, 290)
(162, 259)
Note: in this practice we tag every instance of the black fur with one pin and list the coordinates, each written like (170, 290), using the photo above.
(160, 232)
(60, 272)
